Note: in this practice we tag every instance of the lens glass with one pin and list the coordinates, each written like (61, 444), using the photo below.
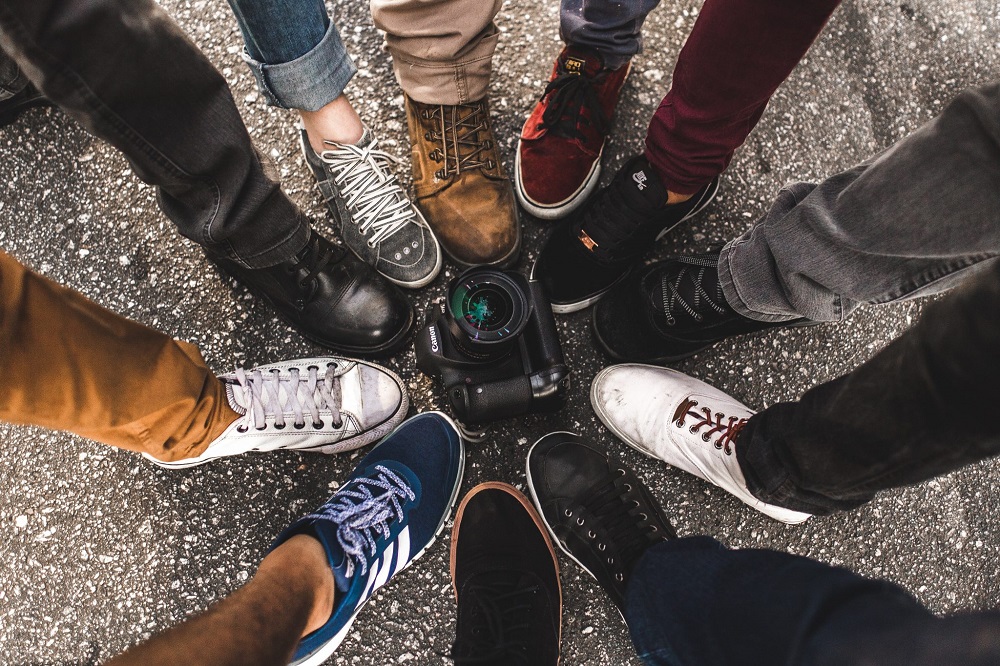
(488, 306)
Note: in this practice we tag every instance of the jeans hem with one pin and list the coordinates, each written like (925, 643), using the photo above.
(731, 290)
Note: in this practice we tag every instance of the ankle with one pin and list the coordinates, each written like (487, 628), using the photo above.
(302, 564)
(675, 198)
(337, 121)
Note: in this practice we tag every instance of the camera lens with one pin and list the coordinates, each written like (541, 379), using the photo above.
(489, 308)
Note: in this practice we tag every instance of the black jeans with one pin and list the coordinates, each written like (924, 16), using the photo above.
(692, 601)
(924, 405)
(128, 74)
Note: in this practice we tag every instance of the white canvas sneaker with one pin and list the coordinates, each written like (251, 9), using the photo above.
(311, 404)
(682, 421)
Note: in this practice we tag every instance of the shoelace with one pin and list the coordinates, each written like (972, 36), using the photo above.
(314, 257)
(611, 224)
(458, 129)
(672, 301)
(362, 516)
(263, 393)
(572, 93)
(727, 428)
(502, 619)
(371, 191)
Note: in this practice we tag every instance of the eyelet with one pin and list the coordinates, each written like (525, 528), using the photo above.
(693, 429)
(601, 547)
(655, 528)
(644, 516)
(241, 428)
(621, 472)
(611, 561)
(619, 578)
(706, 437)
(628, 488)
(299, 426)
(279, 427)
(331, 365)
(579, 521)
(338, 425)
(568, 513)
(319, 424)
(635, 504)
(313, 367)
(591, 534)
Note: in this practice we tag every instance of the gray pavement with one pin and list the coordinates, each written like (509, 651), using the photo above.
(102, 550)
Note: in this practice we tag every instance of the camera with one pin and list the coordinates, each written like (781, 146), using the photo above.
(493, 343)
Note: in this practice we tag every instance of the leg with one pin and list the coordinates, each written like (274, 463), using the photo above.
(692, 601)
(105, 377)
(611, 29)
(737, 55)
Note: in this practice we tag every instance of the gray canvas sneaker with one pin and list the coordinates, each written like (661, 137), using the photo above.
(374, 216)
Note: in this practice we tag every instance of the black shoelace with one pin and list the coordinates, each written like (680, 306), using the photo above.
(572, 93)
(612, 225)
(461, 131)
(685, 293)
(499, 633)
(314, 258)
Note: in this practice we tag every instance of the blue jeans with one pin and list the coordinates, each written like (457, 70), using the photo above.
(611, 28)
(294, 52)
(692, 601)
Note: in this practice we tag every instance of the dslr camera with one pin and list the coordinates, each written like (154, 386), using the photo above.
(493, 343)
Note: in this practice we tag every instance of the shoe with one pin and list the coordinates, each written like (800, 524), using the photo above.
(331, 297)
(682, 421)
(460, 184)
(386, 515)
(559, 154)
(327, 405)
(595, 508)
(506, 581)
(669, 311)
(374, 217)
(594, 249)
(28, 97)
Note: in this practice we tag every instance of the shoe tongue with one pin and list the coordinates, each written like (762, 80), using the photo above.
(236, 398)
(636, 197)
(327, 535)
(641, 186)
(579, 60)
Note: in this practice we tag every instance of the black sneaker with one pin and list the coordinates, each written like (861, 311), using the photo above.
(506, 581)
(671, 310)
(598, 511)
(12, 107)
(595, 247)
(333, 298)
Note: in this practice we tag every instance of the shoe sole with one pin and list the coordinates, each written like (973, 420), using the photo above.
(326, 651)
(602, 415)
(535, 517)
(575, 306)
(566, 206)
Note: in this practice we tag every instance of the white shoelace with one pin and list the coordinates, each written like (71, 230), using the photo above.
(360, 515)
(372, 192)
(302, 394)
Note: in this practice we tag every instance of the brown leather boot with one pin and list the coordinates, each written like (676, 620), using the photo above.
(461, 187)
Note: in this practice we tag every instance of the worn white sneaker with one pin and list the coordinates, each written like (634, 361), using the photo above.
(311, 404)
(682, 421)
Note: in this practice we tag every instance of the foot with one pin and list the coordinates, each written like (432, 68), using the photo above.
(332, 298)
(670, 310)
(460, 184)
(593, 249)
(386, 515)
(375, 219)
(327, 405)
(27, 98)
(596, 509)
(559, 153)
(682, 421)
(506, 581)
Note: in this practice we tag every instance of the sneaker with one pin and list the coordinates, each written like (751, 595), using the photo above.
(374, 217)
(669, 311)
(506, 581)
(559, 154)
(596, 509)
(386, 515)
(593, 250)
(460, 183)
(331, 297)
(328, 405)
(26, 98)
(682, 421)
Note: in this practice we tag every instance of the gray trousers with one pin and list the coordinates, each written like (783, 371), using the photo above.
(916, 220)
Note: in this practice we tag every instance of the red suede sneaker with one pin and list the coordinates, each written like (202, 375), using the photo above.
(559, 155)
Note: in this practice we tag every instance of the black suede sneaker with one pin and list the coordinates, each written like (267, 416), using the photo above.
(671, 310)
(331, 297)
(596, 509)
(594, 248)
(506, 581)
(27, 98)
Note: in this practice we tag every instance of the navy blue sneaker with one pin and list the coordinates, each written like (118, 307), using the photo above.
(386, 515)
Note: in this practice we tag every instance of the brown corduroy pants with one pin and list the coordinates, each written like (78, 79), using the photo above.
(69, 364)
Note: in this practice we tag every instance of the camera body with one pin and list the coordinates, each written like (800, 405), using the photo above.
(494, 345)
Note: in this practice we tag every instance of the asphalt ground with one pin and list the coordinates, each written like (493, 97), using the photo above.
(102, 550)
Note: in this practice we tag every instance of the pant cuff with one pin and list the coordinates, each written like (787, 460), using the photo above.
(731, 290)
(309, 82)
(461, 81)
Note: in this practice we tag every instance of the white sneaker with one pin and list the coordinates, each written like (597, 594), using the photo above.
(311, 404)
(682, 421)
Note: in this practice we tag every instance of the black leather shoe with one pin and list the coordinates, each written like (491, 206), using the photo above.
(12, 107)
(333, 298)
(598, 510)
(506, 581)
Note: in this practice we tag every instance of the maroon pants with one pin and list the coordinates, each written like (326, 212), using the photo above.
(737, 55)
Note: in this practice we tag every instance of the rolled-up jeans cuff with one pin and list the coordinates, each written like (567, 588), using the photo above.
(731, 289)
(309, 82)
(460, 81)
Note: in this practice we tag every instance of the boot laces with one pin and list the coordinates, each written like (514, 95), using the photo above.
(611, 225)
(685, 292)
(462, 131)
(313, 258)
(275, 394)
(498, 634)
(572, 95)
(726, 428)
(371, 191)
(361, 515)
